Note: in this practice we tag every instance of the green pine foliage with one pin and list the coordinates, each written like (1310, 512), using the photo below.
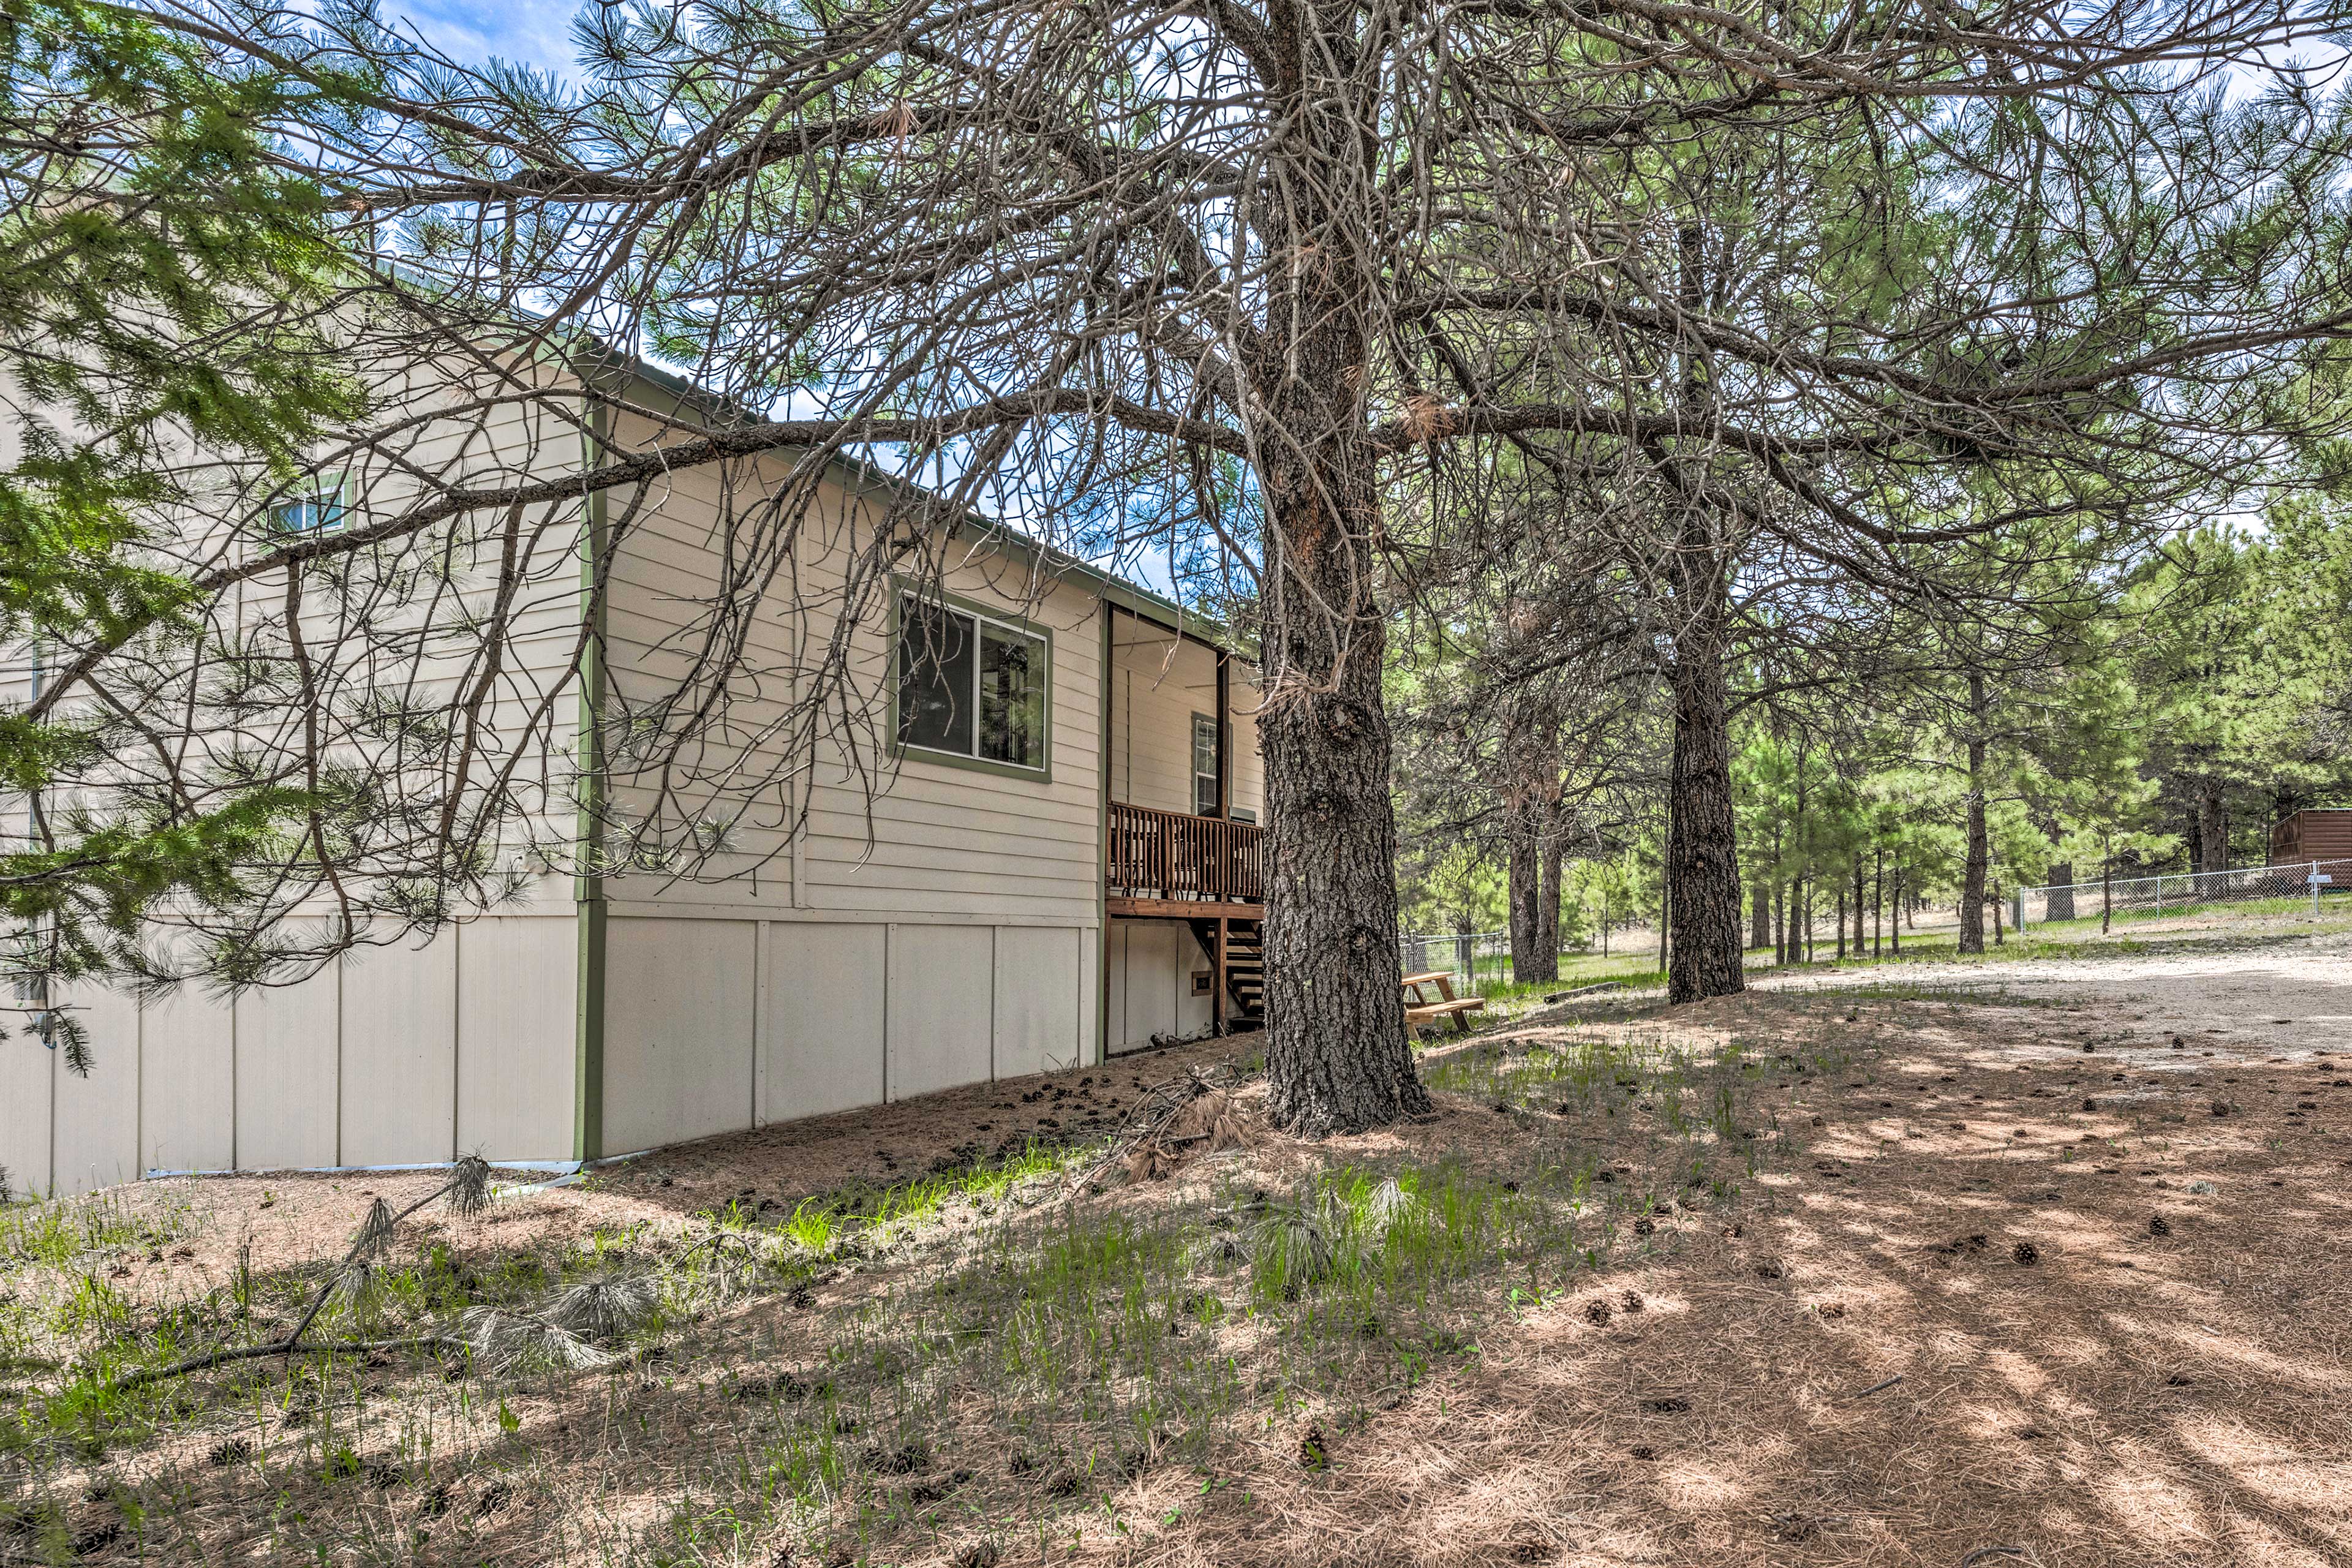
(148, 207)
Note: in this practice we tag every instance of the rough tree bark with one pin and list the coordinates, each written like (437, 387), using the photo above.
(1532, 807)
(2212, 825)
(1979, 854)
(1702, 833)
(2062, 890)
(1336, 1061)
(1547, 912)
(1759, 916)
(1524, 896)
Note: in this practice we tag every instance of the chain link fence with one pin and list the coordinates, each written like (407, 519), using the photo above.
(2301, 884)
(1478, 961)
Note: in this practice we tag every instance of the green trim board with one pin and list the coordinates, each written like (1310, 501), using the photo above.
(903, 588)
(588, 886)
(1102, 851)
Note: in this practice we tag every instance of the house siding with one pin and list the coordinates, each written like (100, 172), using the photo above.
(943, 928)
(358, 1065)
(392, 1055)
(939, 928)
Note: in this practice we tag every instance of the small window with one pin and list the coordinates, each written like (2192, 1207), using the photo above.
(970, 687)
(318, 510)
(1243, 814)
(1204, 765)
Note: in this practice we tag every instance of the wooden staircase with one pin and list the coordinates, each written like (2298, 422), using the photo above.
(1240, 977)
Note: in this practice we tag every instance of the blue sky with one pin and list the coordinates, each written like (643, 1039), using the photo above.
(526, 32)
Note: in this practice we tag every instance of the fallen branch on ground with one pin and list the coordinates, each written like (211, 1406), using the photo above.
(469, 1192)
(1144, 1137)
(279, 1347)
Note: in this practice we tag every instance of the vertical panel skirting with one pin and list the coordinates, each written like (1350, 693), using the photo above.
(761, 1010)
(457, 1034)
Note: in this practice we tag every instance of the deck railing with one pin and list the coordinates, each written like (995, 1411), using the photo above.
(1169, 855)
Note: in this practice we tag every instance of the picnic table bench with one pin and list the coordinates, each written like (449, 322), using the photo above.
(1419, 1009)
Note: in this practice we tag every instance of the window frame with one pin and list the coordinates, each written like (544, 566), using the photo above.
(903, 589)
(1215, 775)
(338, 484)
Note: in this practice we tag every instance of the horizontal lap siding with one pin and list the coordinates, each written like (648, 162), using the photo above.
(1248, 785)
(938, 839)
(1157, 685)
(666, 573)
(2316, 835)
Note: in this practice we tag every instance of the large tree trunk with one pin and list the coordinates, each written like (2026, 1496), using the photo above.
(2061, 891)
(1760, 915)
(1523, 897)
(1702, 831)
(1980, 854)
(1547, 955)
(2212, 825)
(1701, 835)
(1337, 1059)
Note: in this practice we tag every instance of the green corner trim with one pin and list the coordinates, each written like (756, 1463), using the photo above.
(588, 887)
(1102, 848)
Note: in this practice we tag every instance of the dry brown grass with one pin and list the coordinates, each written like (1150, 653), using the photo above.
(2104, 1396)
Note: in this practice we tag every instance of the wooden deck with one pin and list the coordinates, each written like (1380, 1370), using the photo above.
(1207, 872)
(1172, 856)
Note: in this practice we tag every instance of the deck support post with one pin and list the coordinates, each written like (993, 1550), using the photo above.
(1217, 980)
(1224, 733)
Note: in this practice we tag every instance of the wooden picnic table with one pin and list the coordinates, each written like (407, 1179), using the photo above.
(1419, 1009)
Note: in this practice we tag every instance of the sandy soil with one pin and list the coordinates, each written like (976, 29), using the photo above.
(2208, 977)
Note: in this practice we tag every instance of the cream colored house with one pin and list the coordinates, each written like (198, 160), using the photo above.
(1047, 875)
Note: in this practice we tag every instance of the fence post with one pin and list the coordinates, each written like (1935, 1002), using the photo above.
(2017, 909)
(2314, 889)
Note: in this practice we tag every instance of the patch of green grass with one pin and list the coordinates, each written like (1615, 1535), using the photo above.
(59, 1232)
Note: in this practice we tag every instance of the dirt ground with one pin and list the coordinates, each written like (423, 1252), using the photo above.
(2259, 982)
(2055, 1273)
